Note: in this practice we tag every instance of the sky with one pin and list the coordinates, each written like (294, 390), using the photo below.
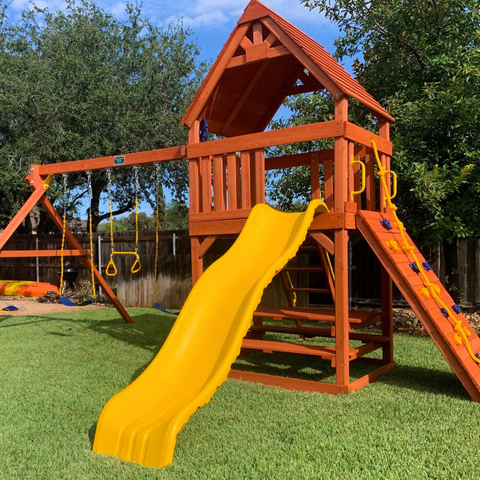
(210, 21)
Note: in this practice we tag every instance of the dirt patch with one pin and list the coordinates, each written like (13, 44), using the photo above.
(30, 306)
(404, 320)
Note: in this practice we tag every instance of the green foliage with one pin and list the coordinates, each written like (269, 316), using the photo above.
(81, 84)
(292, 186)
(176, 216)
(421, 59)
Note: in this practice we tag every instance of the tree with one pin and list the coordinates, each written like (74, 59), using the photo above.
(81, 84)
(421, 59)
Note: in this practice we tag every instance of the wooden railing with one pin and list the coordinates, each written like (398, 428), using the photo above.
(228, 182)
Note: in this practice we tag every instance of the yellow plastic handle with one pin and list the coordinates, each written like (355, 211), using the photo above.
(136, 266)
(111, 264)
(290, 284)
(362, 167)
(47, 182)
(394, 176)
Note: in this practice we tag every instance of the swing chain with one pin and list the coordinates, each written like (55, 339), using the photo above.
(64, 193)
(109, 184)
(157, 227)
(90, 190)
(137, 189)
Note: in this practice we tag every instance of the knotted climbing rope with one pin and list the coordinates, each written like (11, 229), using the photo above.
(429, 290)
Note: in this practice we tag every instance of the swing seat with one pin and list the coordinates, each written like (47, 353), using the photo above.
(12, 308)
(163, 309)
(69, 303)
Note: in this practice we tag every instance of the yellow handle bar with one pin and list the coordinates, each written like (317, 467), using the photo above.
(290, 284)
(111, 264)
(136, 265)
(394, 176)
(362, 167)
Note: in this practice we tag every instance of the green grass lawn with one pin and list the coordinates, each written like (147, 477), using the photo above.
(57, 373)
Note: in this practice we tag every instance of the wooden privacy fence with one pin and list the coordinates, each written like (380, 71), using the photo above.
(174, 268)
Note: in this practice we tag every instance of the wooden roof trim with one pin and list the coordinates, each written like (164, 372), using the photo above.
(244, 96)
(303, 58)
(216, 71)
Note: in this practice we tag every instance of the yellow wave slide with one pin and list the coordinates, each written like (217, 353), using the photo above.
(140, 424)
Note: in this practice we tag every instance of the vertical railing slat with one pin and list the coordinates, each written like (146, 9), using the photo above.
(328, 182)
(232, 181)
(194, 175)
(218, 184)
(246, 186)
(259, 156)
(206, 174)
(370, 182)
(314, 177)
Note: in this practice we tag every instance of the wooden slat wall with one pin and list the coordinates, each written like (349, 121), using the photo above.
(174, 279)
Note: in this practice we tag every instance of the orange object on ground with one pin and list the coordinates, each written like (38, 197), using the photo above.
(26, 288)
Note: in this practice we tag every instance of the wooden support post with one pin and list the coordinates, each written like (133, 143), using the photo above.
(386, 281)
(314, 177)
(341, 251)
(194, 171)
(328, 183)
(197, 260)
(57, 219)
(37, 193)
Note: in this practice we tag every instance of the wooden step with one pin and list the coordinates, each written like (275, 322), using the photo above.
(326, 332)
(304, 269)
(308, 290)
(314, 314)
(326, 353)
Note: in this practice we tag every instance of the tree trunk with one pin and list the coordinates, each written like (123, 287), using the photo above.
(97, 187)
(452, 277)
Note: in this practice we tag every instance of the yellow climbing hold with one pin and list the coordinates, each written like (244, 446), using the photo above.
(393, 245)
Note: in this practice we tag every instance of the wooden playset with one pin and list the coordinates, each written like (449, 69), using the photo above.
(265, 60)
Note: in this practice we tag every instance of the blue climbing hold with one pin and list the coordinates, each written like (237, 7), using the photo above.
(477, 355)
(444, 312)
(414, 267)
(204, 130)
(426, 266)
(456, 308)
(386, 224)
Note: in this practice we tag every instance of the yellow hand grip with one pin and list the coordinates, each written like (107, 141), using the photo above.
(47, 182)
(290, 284)
(111, 264)
(394, 177)
(136, 265)
(363, 170)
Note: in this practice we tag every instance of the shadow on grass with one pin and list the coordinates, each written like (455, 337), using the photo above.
(426, 380)
(410, 377)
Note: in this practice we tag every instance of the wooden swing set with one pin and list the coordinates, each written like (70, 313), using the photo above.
(265, 60)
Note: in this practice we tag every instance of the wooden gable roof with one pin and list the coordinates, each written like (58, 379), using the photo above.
(265, 59)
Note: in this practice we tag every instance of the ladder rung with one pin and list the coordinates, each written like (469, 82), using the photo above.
(308, 290)
(303, 269)
(318, 351)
